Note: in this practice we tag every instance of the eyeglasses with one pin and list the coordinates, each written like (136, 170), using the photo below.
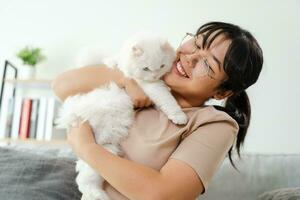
(189, 41)
(190, 45)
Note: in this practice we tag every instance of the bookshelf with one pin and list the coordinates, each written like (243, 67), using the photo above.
(29, 82)
(26, 117)
(32, 141)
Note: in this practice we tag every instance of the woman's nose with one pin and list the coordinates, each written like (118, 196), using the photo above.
(190, 60)
(187, 50)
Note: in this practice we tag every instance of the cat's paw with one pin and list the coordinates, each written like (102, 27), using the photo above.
(95, 195)
(114, 149)
(67, 120)
(92, 192)
(85, 197)
(179, 118)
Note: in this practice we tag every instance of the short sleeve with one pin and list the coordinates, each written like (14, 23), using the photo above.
(205, 149)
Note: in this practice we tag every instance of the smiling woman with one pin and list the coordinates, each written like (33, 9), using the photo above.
(220, 61)
(197, 71)
(193, 43)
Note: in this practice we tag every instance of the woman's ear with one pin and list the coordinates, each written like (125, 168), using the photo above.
(222, 94)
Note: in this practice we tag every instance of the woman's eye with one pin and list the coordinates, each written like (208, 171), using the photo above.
(197, 45)
(146, 69)
(208, 66)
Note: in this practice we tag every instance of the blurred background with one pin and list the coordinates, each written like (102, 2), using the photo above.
(62, 27)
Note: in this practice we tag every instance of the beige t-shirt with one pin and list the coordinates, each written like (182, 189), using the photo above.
(153, 139)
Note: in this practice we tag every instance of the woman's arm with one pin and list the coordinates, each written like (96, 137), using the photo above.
(84, 79)
(176, 180)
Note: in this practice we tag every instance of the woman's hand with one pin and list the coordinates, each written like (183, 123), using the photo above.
(81, 138)
(139, 98)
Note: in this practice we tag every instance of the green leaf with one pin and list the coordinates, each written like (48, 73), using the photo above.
(30, 56)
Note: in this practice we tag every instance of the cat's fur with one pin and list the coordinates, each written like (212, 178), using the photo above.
(109, 110)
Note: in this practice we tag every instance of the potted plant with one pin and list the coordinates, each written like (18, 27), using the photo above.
(30, 57)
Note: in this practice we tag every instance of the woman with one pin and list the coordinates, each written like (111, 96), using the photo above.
(163, 160)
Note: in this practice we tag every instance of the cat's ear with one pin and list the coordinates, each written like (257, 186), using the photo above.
(137, 51)
(166, 47)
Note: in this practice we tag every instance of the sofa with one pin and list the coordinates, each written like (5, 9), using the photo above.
(46, 172)
(260, 176)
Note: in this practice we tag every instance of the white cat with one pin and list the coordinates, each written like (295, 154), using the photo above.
(109, 110)
(146, 58)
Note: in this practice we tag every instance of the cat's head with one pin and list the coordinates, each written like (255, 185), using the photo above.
(147, 57)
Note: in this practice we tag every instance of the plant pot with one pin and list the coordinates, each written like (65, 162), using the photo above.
(26, 72)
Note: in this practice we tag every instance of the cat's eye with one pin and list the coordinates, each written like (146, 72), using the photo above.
(146, 69)
(162, 66)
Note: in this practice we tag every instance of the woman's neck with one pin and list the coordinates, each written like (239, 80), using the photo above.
(187, 102)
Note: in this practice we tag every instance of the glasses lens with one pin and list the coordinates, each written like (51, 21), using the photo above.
(188, 44)
(201, 69)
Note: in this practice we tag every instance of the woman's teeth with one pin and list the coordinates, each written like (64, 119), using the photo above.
(181, 70)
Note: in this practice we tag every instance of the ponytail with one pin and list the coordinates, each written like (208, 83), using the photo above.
(238, 107)
(242, 64)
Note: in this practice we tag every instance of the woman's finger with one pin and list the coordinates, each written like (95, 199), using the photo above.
(149, 103)
(136, 104)
(141, 104)
(81, 137)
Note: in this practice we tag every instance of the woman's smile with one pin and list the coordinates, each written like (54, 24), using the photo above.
(178, 69)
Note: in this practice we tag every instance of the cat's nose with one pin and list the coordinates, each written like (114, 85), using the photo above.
(146, 69)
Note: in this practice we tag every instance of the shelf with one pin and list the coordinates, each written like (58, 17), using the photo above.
(30, 82)
(34, 141)
(30, 88)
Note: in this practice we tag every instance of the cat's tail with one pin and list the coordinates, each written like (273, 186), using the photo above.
(90, 55)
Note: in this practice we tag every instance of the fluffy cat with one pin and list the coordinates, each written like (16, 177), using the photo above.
(109, 110)
(146, 58)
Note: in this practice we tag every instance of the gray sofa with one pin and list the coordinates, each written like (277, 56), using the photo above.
(47, 172)
(258, 174)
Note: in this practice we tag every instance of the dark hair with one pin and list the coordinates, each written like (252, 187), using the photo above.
(242, 64)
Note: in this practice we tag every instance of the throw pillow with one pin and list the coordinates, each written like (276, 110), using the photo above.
(28, 175)
(281, 194)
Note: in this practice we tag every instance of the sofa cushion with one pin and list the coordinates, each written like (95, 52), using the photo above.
(257, 173)
(281, 194)
(46, 175)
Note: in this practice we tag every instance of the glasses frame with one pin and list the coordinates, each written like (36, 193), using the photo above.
(208, 68)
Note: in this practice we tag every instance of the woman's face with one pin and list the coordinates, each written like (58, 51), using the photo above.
(196, 73)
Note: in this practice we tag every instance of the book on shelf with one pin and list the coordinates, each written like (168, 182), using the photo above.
(34, 118)
(27, 117)
(5, 114)
(52, 109)
(6, 118)
(40, 131)
(10, 116)
(16, 117)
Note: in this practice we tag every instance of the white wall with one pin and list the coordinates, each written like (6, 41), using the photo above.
(61, 27)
